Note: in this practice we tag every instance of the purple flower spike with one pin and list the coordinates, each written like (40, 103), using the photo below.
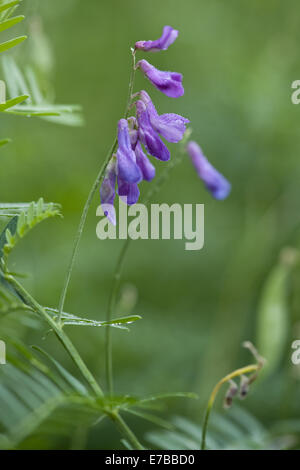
(146, 167)
(128, 170)
(107, 191)
(151, 140)
(169, 83)
(170, 126)
(128, 192)
(167, 38)
(216, 184)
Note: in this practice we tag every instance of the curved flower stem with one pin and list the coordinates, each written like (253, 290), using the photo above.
(118, 270)
(232, 375)
(131, 85)
(64, 339)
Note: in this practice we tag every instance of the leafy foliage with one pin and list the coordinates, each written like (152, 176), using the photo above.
(24, 86)
(273, 311)
(6, 22)
(237, 430)
(40, 395)
(37, 105)
(21, 224)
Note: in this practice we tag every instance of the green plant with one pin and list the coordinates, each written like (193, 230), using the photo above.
(35, 387)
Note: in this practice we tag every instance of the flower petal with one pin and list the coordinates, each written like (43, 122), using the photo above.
(214, 181)
(151, 140)
(167, 38)
(127, 167)
(146, 167)
(170, 126)
(107, 191)
(128, 192)
(169, 83)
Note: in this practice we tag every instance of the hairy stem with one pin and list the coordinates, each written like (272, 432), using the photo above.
(232, 375)
(80, 229)
(131, 85)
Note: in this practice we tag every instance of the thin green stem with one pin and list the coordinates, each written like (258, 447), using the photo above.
(131, 85)
(126, 431)
(110, 311)
(81, 227)
(32, 303)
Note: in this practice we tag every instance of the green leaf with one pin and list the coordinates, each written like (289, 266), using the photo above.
(163, 396)
(20, 225)
(70, 319)
(11, 22)
(12, 227)
(16, 208)
(9, 288)
(35, 398)
(63, 113)
(32, 113)
(37, 105)
(13, 102)
(273, 316)
(8, 5)
(4, 46)
(126, 444)
(151, 418)
(69, 378)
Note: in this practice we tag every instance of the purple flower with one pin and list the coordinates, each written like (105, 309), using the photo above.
(128, 170)
(216, 184)
(170, 126)
(146, 167)
(169, 83)
(167, 38)
(151, 140)
(128, 192)
(107, 191)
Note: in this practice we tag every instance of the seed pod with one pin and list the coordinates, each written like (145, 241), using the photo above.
(230, 394)
(244, 387)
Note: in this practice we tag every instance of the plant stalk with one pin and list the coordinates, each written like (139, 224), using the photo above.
(81, 227)
(31, 302)
(126, 431)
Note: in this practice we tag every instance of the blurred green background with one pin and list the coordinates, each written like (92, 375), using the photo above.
(238, 60)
